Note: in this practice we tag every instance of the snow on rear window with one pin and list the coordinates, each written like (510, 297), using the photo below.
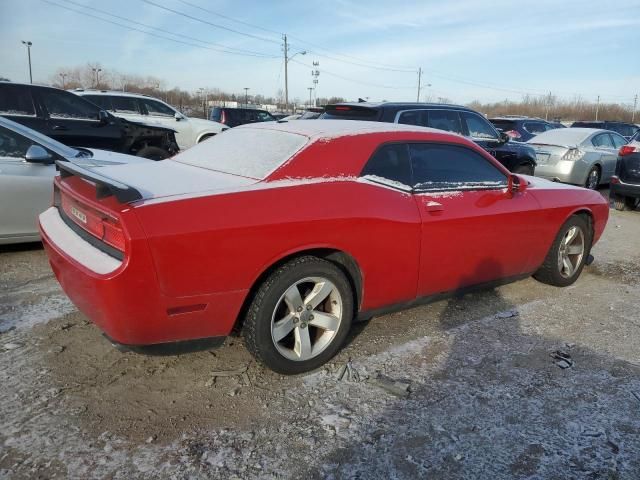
(243, 151)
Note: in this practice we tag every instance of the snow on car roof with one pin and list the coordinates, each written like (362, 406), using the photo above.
(336, 128)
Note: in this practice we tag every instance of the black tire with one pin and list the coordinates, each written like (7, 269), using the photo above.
(257, 325)
(593, 178)
(549, 272)
(621, 203)
(153, 153)
(525, 169)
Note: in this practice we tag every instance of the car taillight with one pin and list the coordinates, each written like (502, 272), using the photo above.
(628, 150)
(514, 134)
(99, 224)
(615, 179)
(573, 154)
(342, 108)
(223, 117)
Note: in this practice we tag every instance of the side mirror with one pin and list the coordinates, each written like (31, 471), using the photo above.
(103, 116)
(504, 138)
(178, 116)
(37, 154)
(516, 184)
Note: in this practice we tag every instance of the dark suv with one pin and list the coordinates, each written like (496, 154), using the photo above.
(625, 183)
(232, 117)
(516, 156)
(523, 128)
(77, 122)
(627, 130)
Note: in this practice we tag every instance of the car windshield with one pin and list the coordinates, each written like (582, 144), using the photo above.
(562, 136)
(248, 152)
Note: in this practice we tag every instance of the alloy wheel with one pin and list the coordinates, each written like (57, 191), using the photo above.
(306, 318)
(571, 252)
(593, 179)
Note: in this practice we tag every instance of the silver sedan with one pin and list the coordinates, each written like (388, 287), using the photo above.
(27, 168)
(581, 156)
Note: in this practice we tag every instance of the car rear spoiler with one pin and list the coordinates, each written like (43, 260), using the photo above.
(105, 186)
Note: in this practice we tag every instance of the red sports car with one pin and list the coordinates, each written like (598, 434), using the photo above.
(290, 231)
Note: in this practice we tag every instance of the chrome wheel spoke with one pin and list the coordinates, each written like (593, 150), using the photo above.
(320, 292)
(302, 346)
(571, 234)
(293, 299)
(325, 321)
(283, 327)
(567, 266)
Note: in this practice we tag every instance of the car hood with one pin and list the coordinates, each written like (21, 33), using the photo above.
(202, 124)
(168, 178)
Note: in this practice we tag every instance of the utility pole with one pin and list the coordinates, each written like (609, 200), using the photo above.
(246, 96)
(63, 75)
(315, 74)
(546, 113)
(310, 90)
(635, 104)
(97, 73)
(28, 45)
(419, 80)
(597, 107)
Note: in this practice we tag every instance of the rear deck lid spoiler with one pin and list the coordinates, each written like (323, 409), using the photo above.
(105, 186)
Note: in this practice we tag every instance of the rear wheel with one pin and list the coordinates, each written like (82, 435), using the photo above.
(620, 202)
(299, 316)
(153, 153)
(593, 179)
(524, 170)
(567, 255)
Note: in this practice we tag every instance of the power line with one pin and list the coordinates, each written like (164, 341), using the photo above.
(258, 55)
(225, 47)
(186, 15)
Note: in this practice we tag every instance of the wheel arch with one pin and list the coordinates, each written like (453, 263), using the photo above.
(340, 258)
(204, 135)
(587, 214)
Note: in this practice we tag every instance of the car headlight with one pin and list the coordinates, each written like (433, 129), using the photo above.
(573, 154)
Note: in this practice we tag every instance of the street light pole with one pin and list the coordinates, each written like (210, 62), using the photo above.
(310, 90)
(286, 70)
(28, 45)
(246, 96)
(97, 73)
(635, 104)
(63, 75)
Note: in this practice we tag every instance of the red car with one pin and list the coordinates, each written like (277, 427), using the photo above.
(291, 231)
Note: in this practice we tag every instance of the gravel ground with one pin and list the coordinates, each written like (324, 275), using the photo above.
(523, 381)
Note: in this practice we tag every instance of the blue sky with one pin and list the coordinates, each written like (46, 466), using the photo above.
(468, 49)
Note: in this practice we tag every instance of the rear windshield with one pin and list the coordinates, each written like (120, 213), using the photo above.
(341, 112)
(623, 129)
(249, 152)
(504, 125)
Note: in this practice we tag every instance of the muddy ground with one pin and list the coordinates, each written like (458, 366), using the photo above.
(472, 387)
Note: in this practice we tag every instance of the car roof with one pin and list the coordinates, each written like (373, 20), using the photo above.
(573, 135)
(321, 128)
(517, 119)
(84, 91)
(412, 105)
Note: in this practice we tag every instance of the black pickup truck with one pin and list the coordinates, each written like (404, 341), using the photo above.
(76, 122)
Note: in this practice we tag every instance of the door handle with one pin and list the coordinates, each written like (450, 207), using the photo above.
(431, 206)
(60, 127)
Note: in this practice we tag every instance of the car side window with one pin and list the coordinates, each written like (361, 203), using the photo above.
(13, 145)
(390, 165)
(478, 127)
(413, 117)
(618, 140)
(158, 109)
(438, 167)
(16, 100)
(103, 101)
(602, 141)
(535, 127)
(446, 120)
(125, 105)
(61, 104)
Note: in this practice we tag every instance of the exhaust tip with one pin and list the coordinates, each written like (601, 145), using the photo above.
(590, 259)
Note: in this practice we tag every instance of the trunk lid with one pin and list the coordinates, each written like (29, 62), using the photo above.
(547, 154)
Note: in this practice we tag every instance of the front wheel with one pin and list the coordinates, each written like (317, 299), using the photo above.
(623, 203)
(299, 316)
(567, 255)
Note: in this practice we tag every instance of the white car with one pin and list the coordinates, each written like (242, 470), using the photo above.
(142, 108)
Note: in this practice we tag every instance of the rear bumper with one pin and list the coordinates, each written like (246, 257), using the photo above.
(625, 189)
(123, 297)
(564, 171)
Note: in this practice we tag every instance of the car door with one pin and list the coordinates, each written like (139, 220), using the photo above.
(75, 121)
(26, 189)
(473, 230)
(17, 104)
(160, 114)
(608, 153)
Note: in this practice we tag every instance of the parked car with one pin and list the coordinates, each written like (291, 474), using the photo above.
(522, 128)
(625, 183)
(312, 113)
(627, 130)
(232, 117)
(517, 157)
(74, 121)
(27, 168)
(581, 156)
(292, 230)
(142, 108)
